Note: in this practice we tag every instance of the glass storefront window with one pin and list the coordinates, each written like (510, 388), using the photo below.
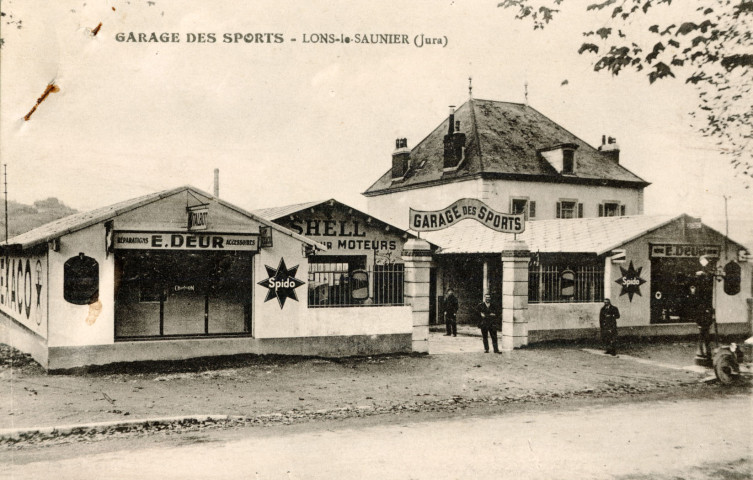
(177, 293)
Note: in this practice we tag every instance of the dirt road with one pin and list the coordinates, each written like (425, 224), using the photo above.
(658, 440)
(294, 387)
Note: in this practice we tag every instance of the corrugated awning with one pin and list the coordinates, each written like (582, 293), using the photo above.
(582, 235)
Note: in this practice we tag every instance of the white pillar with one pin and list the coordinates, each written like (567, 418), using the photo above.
(607, 277)
(515, 257)
(417, 260)
(486, 279)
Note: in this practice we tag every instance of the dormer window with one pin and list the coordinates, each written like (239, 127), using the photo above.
(568, 160)
(561, 157)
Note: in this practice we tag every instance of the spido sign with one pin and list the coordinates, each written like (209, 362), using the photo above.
(427, 221)
(287, 283)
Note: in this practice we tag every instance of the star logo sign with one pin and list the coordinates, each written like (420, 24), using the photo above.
(630, 281)
(281, 283)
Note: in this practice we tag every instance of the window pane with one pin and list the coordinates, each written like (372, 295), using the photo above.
(568, 161)
(611, 209)
(567, 209)
(518, 206)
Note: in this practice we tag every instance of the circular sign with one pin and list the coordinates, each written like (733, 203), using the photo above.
(657, 295)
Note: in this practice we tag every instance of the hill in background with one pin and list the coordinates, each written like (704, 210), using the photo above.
(22, 217)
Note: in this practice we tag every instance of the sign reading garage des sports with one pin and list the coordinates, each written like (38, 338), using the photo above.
(185, 241)
(427, 221)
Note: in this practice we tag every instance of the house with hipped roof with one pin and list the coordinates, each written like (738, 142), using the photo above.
(514, 159)
(583, 225)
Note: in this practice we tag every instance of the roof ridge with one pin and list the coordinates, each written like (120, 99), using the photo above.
(290, 205)
(501, 101)
(580, 139)
(81, 220)
(475, 132)
(418, 144)
(96, 215)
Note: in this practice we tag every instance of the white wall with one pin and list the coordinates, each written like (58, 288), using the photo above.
(70, 324)
(734, 308)
(563, 316)
(295, 319)
(497, 194)
(546, 196)
(269, 320)
(356, 321)
(393, 208)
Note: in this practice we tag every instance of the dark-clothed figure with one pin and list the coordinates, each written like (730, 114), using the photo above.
(487, 322)
(608, 323)
(698, 311)
(450, 313)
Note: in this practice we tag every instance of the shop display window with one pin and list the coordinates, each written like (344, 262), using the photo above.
(671, 279)
(555, 282)
(168, 294)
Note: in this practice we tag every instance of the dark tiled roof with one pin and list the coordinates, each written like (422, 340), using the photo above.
(504, 139)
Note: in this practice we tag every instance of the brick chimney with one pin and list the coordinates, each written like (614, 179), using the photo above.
(610, 148)
(400, 159)
(454, 143)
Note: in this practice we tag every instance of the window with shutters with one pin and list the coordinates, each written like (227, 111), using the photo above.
(611, 209)
(569, 209)
(523, 205)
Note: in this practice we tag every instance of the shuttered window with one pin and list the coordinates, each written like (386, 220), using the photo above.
(569, 209)
(611, 209)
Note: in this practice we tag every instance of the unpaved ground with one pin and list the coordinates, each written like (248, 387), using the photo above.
(645, 440)
(269, 389)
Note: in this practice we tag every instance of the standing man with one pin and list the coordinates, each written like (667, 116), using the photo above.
(487, 323)
(698, 311)
(450, 313)
(608, 322)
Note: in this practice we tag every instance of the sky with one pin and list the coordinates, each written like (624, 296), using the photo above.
(296, 121)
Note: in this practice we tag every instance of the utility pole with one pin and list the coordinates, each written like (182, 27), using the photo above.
(5, 175)
(726, 226)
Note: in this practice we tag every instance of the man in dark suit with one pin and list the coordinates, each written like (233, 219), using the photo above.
(450, 313)
(608, 322)
(698, 310)
(487, 322)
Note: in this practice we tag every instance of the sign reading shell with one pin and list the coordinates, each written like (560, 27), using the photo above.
(186, 241)
(427, 221)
